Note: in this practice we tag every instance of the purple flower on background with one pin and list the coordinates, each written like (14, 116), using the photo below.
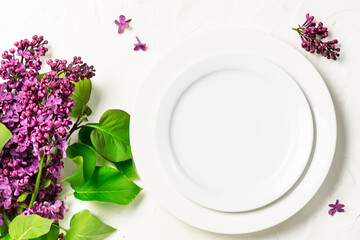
(122, 23)
(48, 210)
(25, 54)
(337, 207)
(52, 102)
(1, 220)
(139, 45)
(37, 114)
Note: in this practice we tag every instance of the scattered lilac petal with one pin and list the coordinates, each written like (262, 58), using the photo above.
(337, 207)
(139, 45)
(122, 23)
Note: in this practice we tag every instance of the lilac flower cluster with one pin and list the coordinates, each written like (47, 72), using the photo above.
(312, 39)
(36, 111)
(48, 210)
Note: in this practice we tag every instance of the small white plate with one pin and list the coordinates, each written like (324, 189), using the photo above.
(143, 134)
(234, 132)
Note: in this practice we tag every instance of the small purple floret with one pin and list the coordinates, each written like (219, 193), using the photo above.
(139, 45)
(122, 23)
(337, 207)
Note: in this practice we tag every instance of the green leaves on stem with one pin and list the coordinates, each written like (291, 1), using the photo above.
(109, 140)
(83, 226)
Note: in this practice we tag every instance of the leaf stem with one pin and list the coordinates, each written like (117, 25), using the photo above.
(74, 127)
(67, 195)
(37, 184)
(59, 227)
(296, 29)
(6, 217)
(76, 124)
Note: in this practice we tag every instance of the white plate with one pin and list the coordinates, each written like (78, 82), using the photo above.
(234, 132)
(144, 117)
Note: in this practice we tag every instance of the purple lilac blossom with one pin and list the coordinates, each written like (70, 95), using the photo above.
(312, 39)
(337, 207)
(37, 114)
(54, 211)
(122, 23)
(139, 45)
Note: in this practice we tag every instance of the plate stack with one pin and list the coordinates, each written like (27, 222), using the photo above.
(234, 131)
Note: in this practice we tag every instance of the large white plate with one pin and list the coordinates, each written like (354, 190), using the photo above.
(234, 132)
(144, 117)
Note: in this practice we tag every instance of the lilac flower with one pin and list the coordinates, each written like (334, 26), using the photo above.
(24, 54)
(337, 207)
(312, 39)
(48, 210)
(139, 45)
(37, 114)
(52, 102)
(1, 220)
(122, 23)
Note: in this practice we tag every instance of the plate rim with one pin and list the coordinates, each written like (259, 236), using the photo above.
(323, 111)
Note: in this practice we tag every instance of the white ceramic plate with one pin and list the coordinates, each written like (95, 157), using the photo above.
(234, 132)
(145, 115)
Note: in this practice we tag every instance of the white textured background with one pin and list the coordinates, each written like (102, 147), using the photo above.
(87, 28)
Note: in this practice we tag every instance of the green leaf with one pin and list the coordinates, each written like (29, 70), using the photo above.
(6, 237)
(85, 226)
(5, 135)
(84, 135)
(53, 233)
(48, 159)
(108, 185)
(84, 138)
(45, 184)
(111, 136)
(127, 167)
(85, 110)
(39, 77)
(26, 227)
(85, 159)
(81, 95)
(23, 196)
(3, 229)
(77, 179)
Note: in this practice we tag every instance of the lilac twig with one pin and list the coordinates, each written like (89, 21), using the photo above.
(311, 37)
(37, 184)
